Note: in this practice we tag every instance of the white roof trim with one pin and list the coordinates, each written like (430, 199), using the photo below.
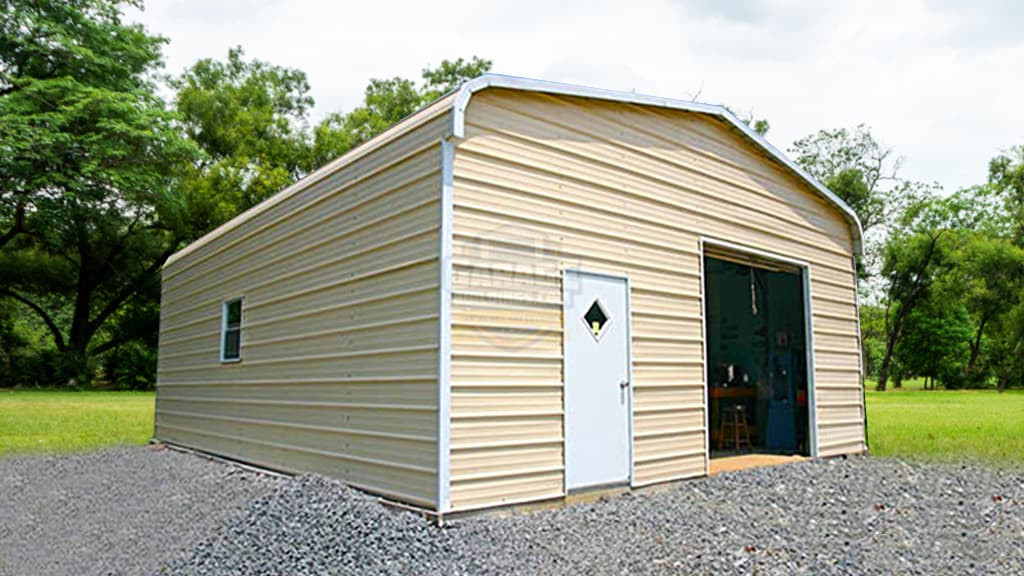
(466, 91)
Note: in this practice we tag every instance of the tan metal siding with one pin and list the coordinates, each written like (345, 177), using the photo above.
(544, 183)
(340, 327)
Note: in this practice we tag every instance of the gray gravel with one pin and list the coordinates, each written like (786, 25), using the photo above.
(855, 516)
(314, 525)
(125, 510)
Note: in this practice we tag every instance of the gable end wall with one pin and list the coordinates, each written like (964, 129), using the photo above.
(543, 183)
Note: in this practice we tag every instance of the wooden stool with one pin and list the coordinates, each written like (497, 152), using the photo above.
(734, 423)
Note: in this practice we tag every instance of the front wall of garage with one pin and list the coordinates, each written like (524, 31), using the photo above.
(340, 327)
(543, 183)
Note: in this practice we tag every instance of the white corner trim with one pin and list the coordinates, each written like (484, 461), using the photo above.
(860, 361)
(466, 91)
(444, 360)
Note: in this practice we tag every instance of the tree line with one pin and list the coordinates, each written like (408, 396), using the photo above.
(102, 177)
(941, 280)
(108, 165)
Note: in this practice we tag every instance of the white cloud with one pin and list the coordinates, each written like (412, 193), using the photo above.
(939, 80)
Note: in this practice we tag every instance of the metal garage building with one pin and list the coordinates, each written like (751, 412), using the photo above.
(523, 290)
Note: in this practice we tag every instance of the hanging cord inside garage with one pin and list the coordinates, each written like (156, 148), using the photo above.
(753, 293)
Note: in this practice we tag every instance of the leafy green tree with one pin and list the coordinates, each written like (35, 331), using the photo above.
(249, 118)
(1005, 334)
(854, 165)
(100, 182)
(759, 125)
(1005, 355)
(44, 47)
(988, 269)
(89, 159)
(864, 173)
(872, 330)
(387, 101)
(935, 341)
(989, 280)
(915, 256)
(450, 74)
(1006, 182)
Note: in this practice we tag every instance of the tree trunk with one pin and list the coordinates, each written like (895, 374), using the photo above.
(883, 371)
(81, 332)
(975, 344)
(17, 227)
(918, 285)
(76, 358)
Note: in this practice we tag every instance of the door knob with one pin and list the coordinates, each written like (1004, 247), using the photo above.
(624, 384)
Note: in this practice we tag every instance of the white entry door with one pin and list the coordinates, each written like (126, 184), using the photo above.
(597, 387)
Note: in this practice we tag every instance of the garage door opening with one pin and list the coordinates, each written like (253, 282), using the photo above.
(759, 393)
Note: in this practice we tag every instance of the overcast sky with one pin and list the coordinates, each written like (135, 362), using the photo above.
(941, 81)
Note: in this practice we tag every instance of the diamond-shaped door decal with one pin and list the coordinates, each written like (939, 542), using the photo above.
(596, 319)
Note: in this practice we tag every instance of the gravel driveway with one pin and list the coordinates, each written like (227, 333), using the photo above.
(135, 511)
(120, 511)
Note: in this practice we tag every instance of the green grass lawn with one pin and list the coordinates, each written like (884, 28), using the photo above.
(949, 425)
(57, 421)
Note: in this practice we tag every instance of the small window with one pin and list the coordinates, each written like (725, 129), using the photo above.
(596, 319)
(231, 331)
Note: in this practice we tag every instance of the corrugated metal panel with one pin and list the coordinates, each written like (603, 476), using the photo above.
(340, 327)
(544, 183)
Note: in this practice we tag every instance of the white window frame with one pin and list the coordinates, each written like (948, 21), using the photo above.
(224, 330)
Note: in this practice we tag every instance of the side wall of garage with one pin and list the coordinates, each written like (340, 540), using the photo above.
(543, 183)
(340, 329)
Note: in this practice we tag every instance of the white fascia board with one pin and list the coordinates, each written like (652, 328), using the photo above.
(466, 91)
